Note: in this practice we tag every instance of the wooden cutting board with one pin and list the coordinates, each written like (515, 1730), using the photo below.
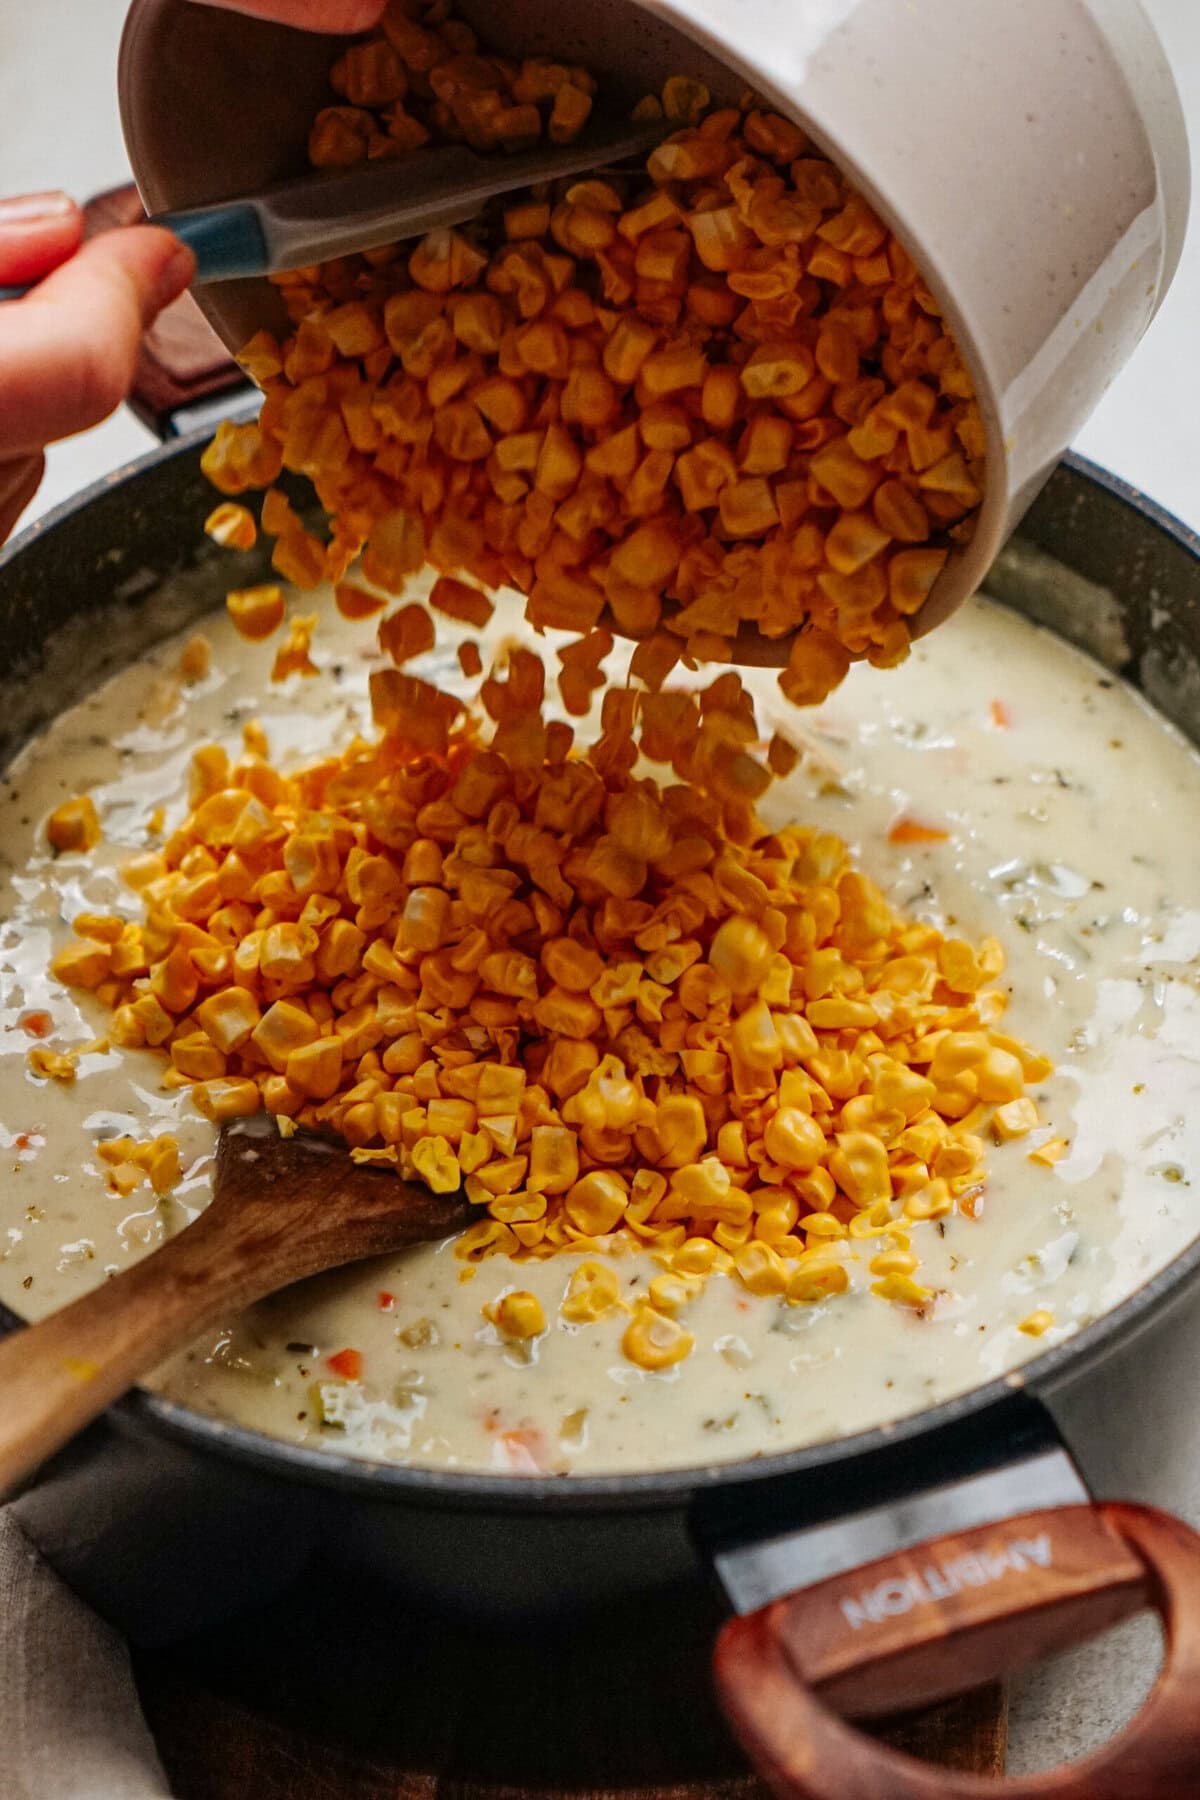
(340, 1691)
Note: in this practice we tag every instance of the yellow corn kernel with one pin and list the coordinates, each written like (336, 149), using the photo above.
(423, 923)
(596, 1203)
(283, 1028)
(292, 657)
(695, 1256)
(499, 1090)
(517, 1315)
(339, 137)
(893, 1262)
(1037, 1323)
(872, 1221)
(775, 1220)
(592, 1292)
(1051, 1152)
(741, 954)
(498, 1177)
(1000, 1077)
(153, 1019)
(257, 611)
(760, 1268)
(911, 575)
(902, 1290)
(569, 114)
(161, 1163)
(899, 1089)
(859, 1165)
(195, 659)
(355, 602)
(490, 1237)
(125, 1178)
(1015, 1119)
(315, 1069)
(437, 1165)
(794, 1140)
(125, 1029)
(282, 1100)
(229, 1018)
(933, 1201)
(567, 1015)
(822, 1225)
(196, 1056)
(448, 1118)
(655, 1341)
(232, 527)
(816, 1276)
(341, 950)
(755, 1039)
(671, 1292)
(553, 1160)
(474, 1147)
(142, 871)
(52, 1065)
(370, 73)
(83, 964)
(74, 825)
(227, 1098)
(458, 600)
(312, 863)
(705, 1190)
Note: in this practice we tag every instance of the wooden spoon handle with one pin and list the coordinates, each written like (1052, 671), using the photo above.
(282, 1209)
(944, 1616)
(58, 1375)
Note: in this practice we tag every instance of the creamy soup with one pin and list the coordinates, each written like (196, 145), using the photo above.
(1062, 797)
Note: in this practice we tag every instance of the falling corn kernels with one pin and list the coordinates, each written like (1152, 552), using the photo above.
(256, 612)
(74, 825)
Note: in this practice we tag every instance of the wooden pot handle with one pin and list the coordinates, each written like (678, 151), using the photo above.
(948, 1615)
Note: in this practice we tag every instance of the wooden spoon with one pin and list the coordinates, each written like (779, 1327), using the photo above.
(282, 1209)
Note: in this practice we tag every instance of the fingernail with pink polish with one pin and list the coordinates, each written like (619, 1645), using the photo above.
(35, 209)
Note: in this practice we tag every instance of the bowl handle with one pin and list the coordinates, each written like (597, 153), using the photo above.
(947, 1615)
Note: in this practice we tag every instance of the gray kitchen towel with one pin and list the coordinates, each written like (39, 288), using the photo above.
(70, 1724)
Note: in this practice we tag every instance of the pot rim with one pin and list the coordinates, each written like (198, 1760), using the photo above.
(145, 1413)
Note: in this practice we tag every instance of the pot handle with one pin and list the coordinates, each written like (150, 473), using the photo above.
(947, 1615)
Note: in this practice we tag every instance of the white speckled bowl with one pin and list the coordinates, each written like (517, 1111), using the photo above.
(1031, 154)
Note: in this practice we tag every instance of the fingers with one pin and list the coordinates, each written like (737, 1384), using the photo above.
(37, 232)
(310, 15)
(68, 350)
(18, 484)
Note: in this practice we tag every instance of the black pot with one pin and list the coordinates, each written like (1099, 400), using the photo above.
(167, 1521)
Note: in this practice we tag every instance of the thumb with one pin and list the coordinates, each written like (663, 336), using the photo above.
(68, 349)
(37, 232)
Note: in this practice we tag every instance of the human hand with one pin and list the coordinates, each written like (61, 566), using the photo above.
(310, 15)
(69, 348)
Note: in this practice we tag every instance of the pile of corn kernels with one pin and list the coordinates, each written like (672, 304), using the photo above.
(712, 399)
(617, 1012)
